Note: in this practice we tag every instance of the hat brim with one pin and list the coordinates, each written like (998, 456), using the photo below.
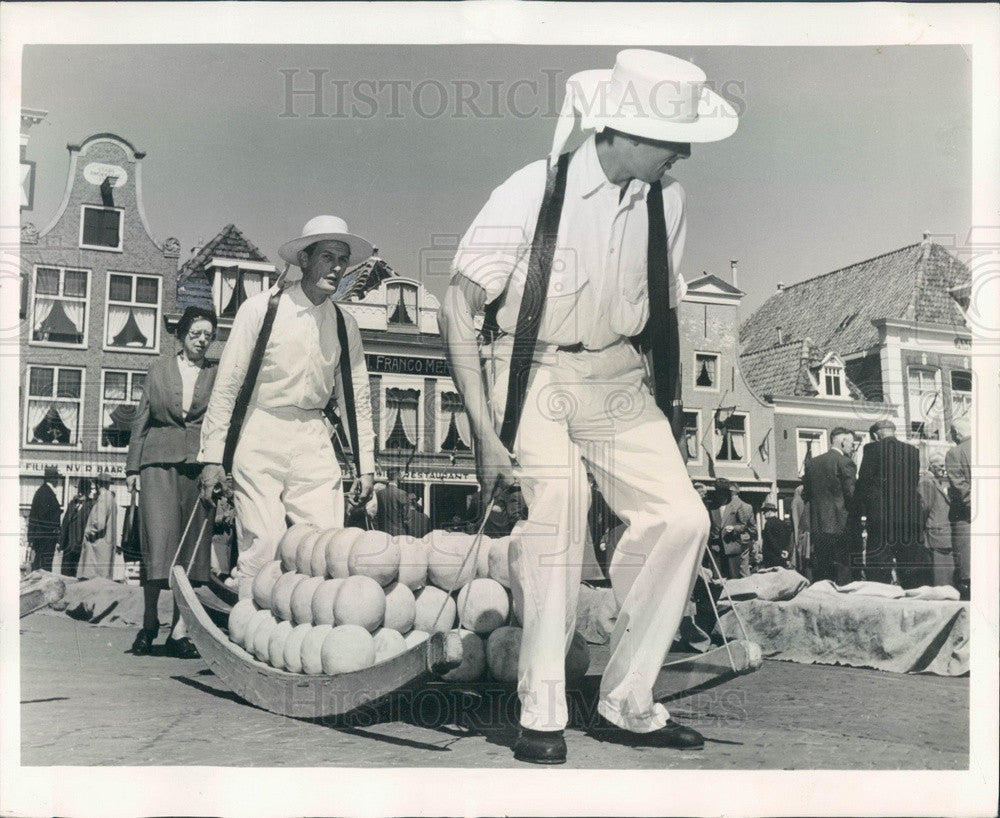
(717, 119)
(360, 248)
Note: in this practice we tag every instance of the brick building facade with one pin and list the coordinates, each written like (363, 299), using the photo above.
(96, 286)
(729, 429)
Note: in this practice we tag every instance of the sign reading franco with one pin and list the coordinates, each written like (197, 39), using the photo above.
(73, 469)
(97, 172)
(407, 365)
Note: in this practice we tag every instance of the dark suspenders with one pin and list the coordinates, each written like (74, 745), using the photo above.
(347, 384)
(249, 381)
(660, 336)
(253, 370)
(536, 284)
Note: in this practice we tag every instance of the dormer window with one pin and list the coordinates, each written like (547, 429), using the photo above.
(833, 380)
(233, 286)
(401, 305)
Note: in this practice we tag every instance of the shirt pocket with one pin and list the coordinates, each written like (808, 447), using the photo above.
(568, 274)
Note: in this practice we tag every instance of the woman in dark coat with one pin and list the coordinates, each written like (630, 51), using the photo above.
(73, 524)
(162, 465)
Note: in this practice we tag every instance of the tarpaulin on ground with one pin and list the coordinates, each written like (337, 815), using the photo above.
(862, 626)
(100, 601)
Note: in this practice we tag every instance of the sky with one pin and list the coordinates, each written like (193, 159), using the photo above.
(842, 153)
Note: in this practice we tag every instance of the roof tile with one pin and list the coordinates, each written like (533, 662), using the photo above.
(836, 310)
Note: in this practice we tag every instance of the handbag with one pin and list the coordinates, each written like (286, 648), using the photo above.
(131, 549)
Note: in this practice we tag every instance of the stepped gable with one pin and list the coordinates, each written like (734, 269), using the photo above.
(836, 310)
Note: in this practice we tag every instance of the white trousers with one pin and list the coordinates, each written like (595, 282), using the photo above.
(592, 409)
(284, 467)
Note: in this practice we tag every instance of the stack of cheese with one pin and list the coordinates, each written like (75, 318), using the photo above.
(345, 599)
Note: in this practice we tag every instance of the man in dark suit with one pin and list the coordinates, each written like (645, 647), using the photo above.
(776, 545)
(828, 487)
(393, 507)
(886, 494)
(44, 522)
(733, 531)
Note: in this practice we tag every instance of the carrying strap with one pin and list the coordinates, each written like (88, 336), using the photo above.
(253, 370)
(347, 383)
(249, 382)
(536, 284)
(661, 335)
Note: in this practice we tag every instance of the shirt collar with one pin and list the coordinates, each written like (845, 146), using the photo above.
(300, 300)
(594, 179)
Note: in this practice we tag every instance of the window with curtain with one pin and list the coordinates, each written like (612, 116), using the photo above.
(52, 406)
(455, 423)
(706, 370)
(60, 306)
(401, 413)
(809, 443)
(925, 404)
(132, 315)
(235, 286)
(101, 227)
(120, 393)
(692, 436)
(961, 393)
(401, 304)
(731, 438)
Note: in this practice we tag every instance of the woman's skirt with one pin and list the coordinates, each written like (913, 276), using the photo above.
(169, 493)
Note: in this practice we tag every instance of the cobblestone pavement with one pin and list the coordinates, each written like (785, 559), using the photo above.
(85, 701)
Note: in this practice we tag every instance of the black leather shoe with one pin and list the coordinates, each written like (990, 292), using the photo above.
(182, 648)
(143, 643)
(676, 736)
(673, 735)
(540, 747)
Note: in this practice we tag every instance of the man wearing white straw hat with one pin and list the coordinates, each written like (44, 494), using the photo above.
(573, 264)
(279, 452)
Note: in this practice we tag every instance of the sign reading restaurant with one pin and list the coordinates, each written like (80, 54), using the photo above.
(408, 365)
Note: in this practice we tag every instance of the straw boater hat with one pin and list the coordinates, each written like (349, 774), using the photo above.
(322, 228)
(648, 94)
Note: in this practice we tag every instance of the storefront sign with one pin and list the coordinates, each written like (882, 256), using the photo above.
(439, 476)
(32, 468)
(407, 365)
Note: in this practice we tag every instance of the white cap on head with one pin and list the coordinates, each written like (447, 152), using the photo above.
(648, 94)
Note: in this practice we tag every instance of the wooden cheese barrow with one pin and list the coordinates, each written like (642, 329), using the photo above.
(306, 696)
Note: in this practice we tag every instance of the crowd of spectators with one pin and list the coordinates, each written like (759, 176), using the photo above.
(82, 541)
(887, 521)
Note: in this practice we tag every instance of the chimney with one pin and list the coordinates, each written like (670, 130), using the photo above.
(781, 286)
(732, 268)
(781, 337)
(927, 235)
(197, 247)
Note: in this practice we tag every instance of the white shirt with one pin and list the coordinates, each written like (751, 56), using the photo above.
(598, 291)
(301, 368)
(189, 377)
